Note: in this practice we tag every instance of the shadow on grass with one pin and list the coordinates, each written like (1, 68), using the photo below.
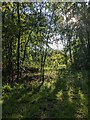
(63, 97)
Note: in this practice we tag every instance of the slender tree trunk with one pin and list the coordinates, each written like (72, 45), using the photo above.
(70, 55)
(43, 66)
(65, 57)
(70, 51)
(18, 49)
(11, 62)
(45, 53)
(11, 44)
(26, 46)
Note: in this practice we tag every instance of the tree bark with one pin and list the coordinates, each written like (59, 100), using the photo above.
(18, 49)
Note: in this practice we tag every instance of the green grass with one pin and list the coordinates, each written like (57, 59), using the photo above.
(62, 96)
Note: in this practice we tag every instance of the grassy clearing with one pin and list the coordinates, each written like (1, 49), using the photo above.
(62, 96)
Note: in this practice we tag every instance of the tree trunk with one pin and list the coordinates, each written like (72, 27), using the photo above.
(41, 69)
(18, 49)
(65, 57)
(70, 51)
(11, 62)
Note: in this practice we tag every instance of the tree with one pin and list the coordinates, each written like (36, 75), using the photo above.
(18, 48)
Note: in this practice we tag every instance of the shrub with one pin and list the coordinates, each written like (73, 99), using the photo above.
(6, 88)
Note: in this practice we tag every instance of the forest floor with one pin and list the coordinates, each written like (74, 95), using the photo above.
(63, 95)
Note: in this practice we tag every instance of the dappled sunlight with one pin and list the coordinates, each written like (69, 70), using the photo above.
(82, 96)
(74, 96)
(83, 105)
(45, 60)
(62, 95)
(59, 95)
(70, 94)
(48, 84)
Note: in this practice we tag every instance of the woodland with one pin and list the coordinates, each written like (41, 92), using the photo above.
(45, 60)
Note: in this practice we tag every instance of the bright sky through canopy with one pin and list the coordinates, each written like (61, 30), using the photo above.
(56, 46)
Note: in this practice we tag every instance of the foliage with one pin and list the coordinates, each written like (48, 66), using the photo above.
(39, 80)
(55, 99)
